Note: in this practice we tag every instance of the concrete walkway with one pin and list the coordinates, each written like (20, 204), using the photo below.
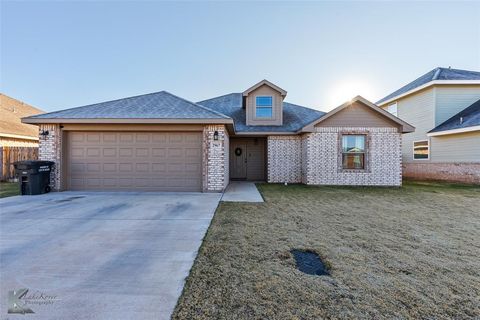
(242, 191)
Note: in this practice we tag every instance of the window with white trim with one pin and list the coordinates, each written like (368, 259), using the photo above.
(421, 150)
(264, 107)
(392, 108)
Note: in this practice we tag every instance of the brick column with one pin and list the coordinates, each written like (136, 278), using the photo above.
(215, 158)
(50, 149)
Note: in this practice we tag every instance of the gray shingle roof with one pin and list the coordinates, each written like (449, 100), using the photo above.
(295, 117)
(435, 74)
(469, 117)
(158, 105)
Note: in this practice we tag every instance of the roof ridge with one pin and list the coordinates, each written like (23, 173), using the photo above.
(297, 105)
(438, 70)
(200, 106)
(223, 95)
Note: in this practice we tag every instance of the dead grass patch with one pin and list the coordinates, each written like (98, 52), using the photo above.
(407, 253)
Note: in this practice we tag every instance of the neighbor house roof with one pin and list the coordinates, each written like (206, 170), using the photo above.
(405, 127)
(435, 76)
(466, 120)
(11, 112)
(161, 107)
(294, 116)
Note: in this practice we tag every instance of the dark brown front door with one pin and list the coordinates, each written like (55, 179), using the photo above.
(239, 161)
(247, 159)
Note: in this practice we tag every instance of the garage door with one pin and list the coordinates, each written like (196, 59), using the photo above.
(134, 161)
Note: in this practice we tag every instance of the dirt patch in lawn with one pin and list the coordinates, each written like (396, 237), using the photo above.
(410, 253)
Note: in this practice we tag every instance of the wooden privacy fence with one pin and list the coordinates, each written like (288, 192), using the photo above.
(11, 154)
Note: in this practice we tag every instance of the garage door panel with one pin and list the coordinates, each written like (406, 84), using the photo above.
(125, 152)
(126, 137)
(157, 161)
(93, 137)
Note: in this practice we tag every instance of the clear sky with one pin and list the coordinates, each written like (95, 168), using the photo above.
(56, 55)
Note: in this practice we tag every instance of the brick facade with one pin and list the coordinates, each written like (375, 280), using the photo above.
(315, 158)
(382, 163)
(284, 155)
(50, 149)
(215, 159)
(311, 158)
(455, 172)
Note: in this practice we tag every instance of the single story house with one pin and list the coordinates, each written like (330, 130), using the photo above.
(162, 142)
(444, 107)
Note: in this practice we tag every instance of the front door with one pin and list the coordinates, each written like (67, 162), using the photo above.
(239, 160)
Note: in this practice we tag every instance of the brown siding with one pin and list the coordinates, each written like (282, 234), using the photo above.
(357, 115)
(277, 107)
(131, 127)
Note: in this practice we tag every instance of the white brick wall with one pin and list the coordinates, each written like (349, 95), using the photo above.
(383, 163)
(50, 149)
(215, 170)
(315, 158)
(284, 159)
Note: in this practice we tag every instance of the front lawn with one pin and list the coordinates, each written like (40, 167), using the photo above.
(411, 252)
(8, 189)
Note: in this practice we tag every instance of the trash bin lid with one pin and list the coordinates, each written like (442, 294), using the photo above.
(26, 164)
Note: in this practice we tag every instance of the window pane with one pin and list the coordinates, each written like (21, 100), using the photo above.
(353, 143)
(420, 143)
(263, 112)
(420, 149)
(264, 101)
(353, 161)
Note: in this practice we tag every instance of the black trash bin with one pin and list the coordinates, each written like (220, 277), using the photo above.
(33, 176)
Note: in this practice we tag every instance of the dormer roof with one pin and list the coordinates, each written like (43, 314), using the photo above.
(267, 83)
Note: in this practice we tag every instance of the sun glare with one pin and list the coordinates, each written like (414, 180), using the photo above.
(345, 91)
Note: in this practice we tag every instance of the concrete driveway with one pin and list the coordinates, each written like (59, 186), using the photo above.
(85, 255)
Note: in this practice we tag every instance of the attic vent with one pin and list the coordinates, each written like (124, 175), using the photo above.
(461, 120)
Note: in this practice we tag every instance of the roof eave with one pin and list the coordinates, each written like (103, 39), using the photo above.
(18, 136)
(453, 131)
(426, 85)
(127, 120)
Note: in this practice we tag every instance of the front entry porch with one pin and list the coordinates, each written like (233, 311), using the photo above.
(248, 159)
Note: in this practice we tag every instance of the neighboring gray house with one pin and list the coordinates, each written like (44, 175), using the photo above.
(162, 142)
(443, 105)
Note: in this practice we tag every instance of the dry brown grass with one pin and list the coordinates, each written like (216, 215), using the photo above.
(406, 253)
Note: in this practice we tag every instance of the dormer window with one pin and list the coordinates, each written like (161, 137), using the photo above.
(264, 107)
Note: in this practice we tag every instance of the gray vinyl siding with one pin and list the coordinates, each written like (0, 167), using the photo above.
(450, 100)
(462, 147)
(418, 110)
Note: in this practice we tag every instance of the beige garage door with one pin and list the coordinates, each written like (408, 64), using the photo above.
(134, 161)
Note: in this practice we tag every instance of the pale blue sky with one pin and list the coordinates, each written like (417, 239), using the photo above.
(56, 55)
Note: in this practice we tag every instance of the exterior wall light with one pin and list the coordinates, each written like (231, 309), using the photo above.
(215, 135)
(44, 133)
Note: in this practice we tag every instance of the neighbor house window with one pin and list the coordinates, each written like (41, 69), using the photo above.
(392, 108)
(421, 150)
(353, 151)
(263, 107)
